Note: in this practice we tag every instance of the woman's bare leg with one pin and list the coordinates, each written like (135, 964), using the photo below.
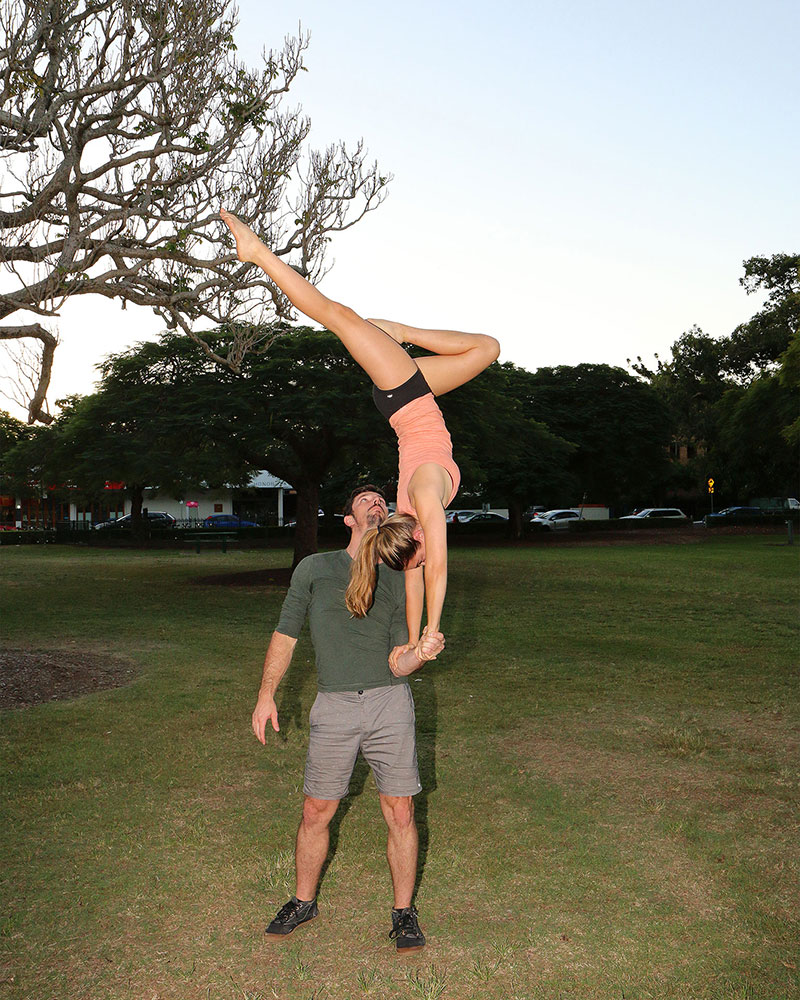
(458, 357)
(381, 357)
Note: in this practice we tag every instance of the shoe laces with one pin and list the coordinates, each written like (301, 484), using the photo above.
(406, 923)
(288, 910)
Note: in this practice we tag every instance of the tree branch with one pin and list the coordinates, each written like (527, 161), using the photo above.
(36, 406)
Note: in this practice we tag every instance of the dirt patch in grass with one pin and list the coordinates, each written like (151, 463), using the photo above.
(33, 676)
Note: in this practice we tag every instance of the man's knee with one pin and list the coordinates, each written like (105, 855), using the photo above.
(398, 811)
(317, 813)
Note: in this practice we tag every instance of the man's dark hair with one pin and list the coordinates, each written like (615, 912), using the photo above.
(369, 488)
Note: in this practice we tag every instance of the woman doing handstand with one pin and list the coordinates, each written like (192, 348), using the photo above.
(404, 390)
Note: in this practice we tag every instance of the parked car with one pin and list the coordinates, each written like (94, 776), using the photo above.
(157, 519)
(461, 515)
(775, 505)
(482, 515)
(670, 512)
(338, 518)
(227, 521)
(554, 520)
(532, 511)
(735, 513)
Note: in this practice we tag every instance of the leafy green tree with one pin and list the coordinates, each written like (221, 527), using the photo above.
(128, 431)
(690, 384)
(166, 415)
(312, 419)
(12, 431)
(751, 455)
(756, 347)
(709, 384)
(618, 424)
(789, 376)
(501, 450)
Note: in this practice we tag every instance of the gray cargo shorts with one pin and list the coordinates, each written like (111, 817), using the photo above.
(379, 722)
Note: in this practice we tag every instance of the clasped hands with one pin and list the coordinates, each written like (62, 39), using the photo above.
(428, 648)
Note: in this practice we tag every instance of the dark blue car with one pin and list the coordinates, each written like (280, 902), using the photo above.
(227, 521)
(735, 513)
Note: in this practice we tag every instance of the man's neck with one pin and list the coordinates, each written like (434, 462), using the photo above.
(355, 541)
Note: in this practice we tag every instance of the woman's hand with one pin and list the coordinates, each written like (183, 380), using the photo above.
(407, 659)
(431, 643)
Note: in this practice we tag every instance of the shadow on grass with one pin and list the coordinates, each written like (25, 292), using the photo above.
(292, 693)
(427, 709)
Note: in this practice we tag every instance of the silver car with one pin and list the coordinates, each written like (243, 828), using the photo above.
(554, 520)
(671, 512)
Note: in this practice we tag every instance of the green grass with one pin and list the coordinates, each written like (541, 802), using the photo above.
(609, 749)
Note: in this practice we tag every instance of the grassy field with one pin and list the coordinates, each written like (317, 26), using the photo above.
(609, 750)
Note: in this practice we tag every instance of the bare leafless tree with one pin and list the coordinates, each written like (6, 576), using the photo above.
(29, 362)
(124, 125)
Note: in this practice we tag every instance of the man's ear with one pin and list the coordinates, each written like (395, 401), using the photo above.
(350, 521)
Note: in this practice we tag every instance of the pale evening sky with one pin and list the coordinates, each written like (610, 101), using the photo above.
(581, 180)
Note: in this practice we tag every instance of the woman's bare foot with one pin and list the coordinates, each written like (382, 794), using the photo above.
(247, 243)
(393, 330)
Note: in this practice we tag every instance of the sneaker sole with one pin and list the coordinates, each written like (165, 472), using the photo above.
(410, 951)
(282, 937)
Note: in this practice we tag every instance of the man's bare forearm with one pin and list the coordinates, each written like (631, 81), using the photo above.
(405, 663)
(276, 663)
(405, 660)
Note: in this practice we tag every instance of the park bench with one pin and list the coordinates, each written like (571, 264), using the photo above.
(224, 538)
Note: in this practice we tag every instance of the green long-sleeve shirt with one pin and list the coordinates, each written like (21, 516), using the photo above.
(352, 653)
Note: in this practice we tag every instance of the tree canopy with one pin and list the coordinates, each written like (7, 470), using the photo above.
(166, 415)
(618, 425)
(735, 398)
(503, 452)
(125, 125)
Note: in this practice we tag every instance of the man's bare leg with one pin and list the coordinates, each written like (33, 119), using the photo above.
(402, 846)
(313, 839)
(311, 849)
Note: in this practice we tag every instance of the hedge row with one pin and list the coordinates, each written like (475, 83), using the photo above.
(630, 524)
(27, 536)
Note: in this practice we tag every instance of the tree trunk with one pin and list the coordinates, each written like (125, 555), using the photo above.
(515, 518)
(138, 525)
(305, 534)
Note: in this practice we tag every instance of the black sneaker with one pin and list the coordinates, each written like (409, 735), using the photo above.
(405, 930)
(291, 915)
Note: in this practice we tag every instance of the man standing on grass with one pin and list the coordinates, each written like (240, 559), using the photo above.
(364, 703)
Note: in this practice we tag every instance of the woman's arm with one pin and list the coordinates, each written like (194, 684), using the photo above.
(430, 513)
(415, 598)
(428, 489)
(435, 588)
(405, 660)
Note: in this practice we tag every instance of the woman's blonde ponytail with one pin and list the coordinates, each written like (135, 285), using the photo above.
(392, 543)
(360, 591)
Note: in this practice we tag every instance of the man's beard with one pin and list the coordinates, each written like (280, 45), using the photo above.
(375, 518)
